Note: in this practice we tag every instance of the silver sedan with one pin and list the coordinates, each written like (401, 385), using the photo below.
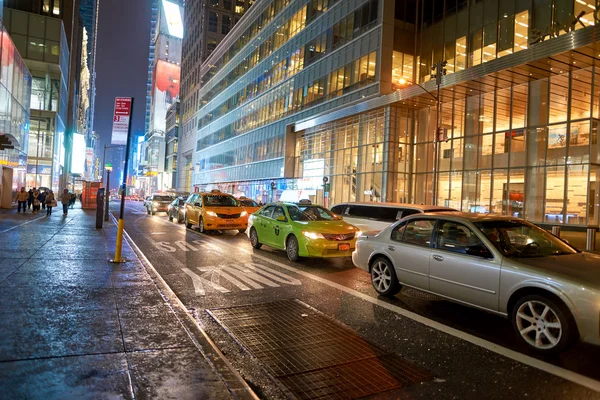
(504, 265)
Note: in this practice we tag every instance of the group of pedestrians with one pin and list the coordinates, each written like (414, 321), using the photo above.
(45, 200)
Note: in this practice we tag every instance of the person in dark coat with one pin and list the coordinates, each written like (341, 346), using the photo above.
(30, 198)
(42, 199)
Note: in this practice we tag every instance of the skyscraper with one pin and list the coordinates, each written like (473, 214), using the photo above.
(163, 89)
(200, 40)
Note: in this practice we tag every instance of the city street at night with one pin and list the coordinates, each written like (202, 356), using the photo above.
(468, 353)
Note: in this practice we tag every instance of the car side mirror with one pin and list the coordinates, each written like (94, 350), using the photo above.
(479, 251)
(339, 217)
(197, 205)
(281, 218)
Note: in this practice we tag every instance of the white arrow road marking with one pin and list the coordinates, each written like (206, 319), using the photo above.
(200, 281)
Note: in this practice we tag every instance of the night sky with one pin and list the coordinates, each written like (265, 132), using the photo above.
(121, 67)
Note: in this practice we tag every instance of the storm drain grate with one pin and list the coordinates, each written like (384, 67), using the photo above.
(312, 355)
(417, 294)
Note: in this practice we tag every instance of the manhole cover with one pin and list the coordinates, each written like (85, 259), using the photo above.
(417, 294)
(312, 355)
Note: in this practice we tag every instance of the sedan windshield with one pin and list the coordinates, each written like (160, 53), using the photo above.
(163, 198)
(220, 200)
(517, 239)
(310, 213)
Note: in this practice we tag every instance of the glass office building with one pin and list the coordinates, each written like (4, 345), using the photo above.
(15, 90)
(42, 43)
(342, 90)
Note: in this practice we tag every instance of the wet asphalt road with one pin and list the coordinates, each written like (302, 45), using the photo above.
(207, 271)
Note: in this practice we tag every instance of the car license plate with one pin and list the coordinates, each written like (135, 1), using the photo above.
(344, 247)
(229, 221)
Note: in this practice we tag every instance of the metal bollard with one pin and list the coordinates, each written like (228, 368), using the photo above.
(590, 239)
(556, 231)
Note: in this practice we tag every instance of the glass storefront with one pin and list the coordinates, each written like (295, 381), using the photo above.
(529, 150)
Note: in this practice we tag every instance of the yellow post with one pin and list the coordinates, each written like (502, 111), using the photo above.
(120, 227)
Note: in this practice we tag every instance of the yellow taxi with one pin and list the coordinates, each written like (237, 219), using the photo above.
(215, 211)
(302, 230)
(249, 205)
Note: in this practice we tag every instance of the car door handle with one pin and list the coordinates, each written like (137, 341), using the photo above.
(438, 258)
(391, 248)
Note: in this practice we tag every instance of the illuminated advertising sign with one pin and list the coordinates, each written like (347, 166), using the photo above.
(173, 18)
(78, 154)
(165, 90)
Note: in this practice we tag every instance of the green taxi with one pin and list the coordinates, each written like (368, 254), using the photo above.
(302, 230)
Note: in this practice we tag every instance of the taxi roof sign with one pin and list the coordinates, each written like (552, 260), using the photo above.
(305, 202)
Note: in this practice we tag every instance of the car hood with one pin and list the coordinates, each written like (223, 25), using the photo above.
(582, 268)
(332, 227)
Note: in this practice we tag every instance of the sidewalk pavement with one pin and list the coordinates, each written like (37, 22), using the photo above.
(73, 325)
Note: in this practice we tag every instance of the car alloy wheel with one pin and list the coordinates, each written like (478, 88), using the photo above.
(170, 217)
(254, 239)
(187, 223)
(544, 324)
(179, 219)
(292, 248)
(384, 277)
(538, 325)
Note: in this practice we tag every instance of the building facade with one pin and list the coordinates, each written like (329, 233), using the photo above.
(200, 40)
(15, 92)
(343, 90)
(172, 143)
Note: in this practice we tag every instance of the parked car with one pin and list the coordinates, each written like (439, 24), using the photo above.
(177, 209)
(505, 265)
(158, 203)
(302, 230)
(215, 211)
(249, 205)
(370, 217)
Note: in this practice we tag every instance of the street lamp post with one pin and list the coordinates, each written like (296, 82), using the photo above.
(108, 170)
(438, 70)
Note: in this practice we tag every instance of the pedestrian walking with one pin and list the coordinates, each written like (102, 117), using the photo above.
(42, 198)
(30, 198)
(36, 201)
(50, 202)
(72, 201)
(65, 199)
(22, 197)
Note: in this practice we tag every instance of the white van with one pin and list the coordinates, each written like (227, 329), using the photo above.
(370, 217)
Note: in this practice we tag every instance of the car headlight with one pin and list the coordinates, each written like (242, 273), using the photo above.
(155, 203)
(358, 234)
(243, 214)
(211, 213)
(313, 235)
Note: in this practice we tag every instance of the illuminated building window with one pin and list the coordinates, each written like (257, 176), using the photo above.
(521, 30)
(56, 9)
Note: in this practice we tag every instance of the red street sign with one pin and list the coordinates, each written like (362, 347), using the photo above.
(123, 106)
(121, 118)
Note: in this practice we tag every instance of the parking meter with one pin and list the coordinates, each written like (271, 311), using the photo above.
(99, 208)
